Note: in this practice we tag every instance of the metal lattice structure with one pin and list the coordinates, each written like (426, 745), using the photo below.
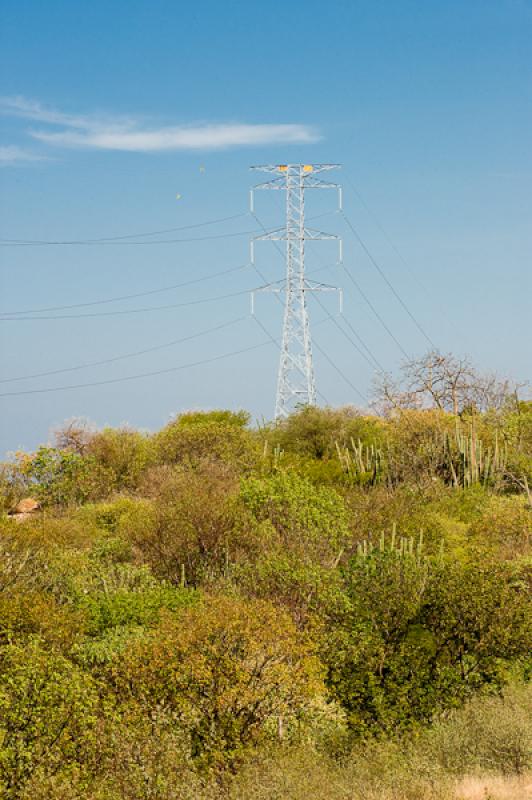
(296, 383)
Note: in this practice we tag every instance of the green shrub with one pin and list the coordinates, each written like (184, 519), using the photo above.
(505, 528)
(194, 527)
(63, 478)
(125, 607)
(225, 668)
(48, 714)
(412, 636)
(124, 454)
(310, 520)
(189, 440)
(316, 432)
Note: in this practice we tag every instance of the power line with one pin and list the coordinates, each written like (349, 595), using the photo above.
(339, 371)
(376, 313)
(127, 236)
(137, 294)
(394, 247)
(130, 310)
(330, 316)
(126, 296)
(156, 241)
(345, 334)
(370, 358)
(387, 281)
(377, 363)
(356, 334)
(120, 239)
(374, 362)
(349, 339)
(126, 355)
(139, 375)
(386, 235)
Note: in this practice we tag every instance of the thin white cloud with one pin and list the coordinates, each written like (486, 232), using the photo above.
(12, 155)
(126, 134)
(200, 137)
(30, 109)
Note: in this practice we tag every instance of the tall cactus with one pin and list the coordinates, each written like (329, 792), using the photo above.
(361, 460)
(401, 546)
(469, 462)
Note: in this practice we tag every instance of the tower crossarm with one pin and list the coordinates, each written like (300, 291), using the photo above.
(281, 234)
(306, 169)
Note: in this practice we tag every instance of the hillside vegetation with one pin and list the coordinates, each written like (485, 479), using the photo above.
(336, 606)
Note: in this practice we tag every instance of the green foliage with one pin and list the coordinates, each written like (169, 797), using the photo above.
(193, 528)
(25, 614)
(411, 635)
(124, 454)
(48, 714)
(106, 516)
(301, 587)
(125, 607)
(309, 520)
(330, 606)
(226, 669)
(315, 432)
(61, 477)
(239, 419)
(21, 560)
(504, 528)
(13, 486)
(194, 438)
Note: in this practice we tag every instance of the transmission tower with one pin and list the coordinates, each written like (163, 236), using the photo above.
(295, 383)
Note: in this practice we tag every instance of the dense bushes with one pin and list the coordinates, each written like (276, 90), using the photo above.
(47, 714)
(226, 669)
(217, 612)
(216, 436)
(410, 636)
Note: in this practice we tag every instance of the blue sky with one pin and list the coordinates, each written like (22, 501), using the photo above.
(110, 110)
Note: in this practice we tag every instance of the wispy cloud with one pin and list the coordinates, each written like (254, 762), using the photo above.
(107, 133)
(194, 137)
(12, 155)
(29, 109)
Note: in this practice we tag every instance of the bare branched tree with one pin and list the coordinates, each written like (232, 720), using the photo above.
(74, 435)
(445, 382)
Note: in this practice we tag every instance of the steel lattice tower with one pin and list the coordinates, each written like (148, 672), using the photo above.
(296, 383)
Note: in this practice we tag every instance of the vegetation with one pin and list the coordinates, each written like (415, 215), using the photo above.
(337, 605)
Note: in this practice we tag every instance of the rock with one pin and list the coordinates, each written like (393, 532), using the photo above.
(26, 506)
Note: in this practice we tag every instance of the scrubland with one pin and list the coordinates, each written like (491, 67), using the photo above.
(335, 606)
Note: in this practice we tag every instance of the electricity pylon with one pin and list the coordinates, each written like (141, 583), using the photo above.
(296, 383)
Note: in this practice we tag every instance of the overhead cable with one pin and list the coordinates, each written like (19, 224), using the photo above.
(386, 280)
(112, 242)
(375, 312)
(127, 236)
(114, 359)
(129, 310)
(202, 362)
(396, 250)
(126, 296)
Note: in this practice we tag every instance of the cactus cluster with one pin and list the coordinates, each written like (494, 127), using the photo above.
(469, 461)
(361, 460)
